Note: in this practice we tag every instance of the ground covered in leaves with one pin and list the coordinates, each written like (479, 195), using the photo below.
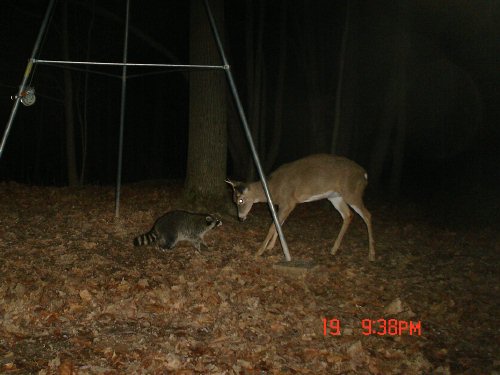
(77, 298)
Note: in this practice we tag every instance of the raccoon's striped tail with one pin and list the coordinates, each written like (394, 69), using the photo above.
(146, 238)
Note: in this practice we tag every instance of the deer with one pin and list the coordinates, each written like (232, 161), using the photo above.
(312, 178)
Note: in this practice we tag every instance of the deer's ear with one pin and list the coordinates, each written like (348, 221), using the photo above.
(233, 184)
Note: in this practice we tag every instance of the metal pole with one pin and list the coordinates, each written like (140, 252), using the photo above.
(26, 75)
(122, 115)
(65, 62)
(244, 122)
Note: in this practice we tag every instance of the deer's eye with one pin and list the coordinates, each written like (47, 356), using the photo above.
(241, 201)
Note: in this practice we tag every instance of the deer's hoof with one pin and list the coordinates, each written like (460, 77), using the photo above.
(259, 253)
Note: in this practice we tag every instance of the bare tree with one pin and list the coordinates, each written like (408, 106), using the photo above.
(265, 82)
(348, 126)
(340, 81)
(68, 103)
(207, 146)
(83, 109)
(314, 37)
(278, 99)
(390, 139)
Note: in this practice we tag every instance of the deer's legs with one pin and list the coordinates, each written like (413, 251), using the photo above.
(343, 209)
(272, 234)
(367, 218)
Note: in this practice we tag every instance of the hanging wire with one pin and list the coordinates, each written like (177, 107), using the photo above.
(186, 66)
(171, 69)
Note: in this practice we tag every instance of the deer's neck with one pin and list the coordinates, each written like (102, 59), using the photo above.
(257, 192)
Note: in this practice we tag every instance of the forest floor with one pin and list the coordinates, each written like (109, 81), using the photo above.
(77, 298)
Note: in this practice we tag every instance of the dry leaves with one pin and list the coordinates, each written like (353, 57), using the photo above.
(77, 298)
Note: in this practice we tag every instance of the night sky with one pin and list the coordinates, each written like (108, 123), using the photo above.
(451, 89)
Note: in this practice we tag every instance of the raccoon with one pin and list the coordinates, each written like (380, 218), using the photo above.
(177, 226)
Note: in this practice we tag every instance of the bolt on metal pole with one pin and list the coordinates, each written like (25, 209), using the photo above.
(27, 73)
(248, 134)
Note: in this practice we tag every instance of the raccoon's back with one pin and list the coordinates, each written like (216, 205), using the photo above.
(146, 238)
(181, 223)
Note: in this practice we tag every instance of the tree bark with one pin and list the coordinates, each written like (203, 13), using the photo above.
(207, 145)
(338, 92)
(84, 117)
(263, 81)
(398, 152)
(275, 141)
(391, 136)
(255, 77)
(315, 56)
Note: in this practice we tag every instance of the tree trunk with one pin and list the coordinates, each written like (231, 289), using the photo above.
(314, 39)
(263, 81)
(207, 145)
(391, 136)
(68, 104)
(398, 152)
(84, 122)
(338, 93)
(275, 141)
(349, 131)
(256, 78)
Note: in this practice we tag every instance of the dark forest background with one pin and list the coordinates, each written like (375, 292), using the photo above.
(408, 89)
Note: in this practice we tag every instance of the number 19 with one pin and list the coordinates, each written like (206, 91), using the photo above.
(331, 327)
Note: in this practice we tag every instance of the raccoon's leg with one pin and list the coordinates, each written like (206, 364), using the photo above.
(167, 242)
(207, 247)
(197, 244)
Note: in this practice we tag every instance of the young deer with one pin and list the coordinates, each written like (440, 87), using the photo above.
(312, 178)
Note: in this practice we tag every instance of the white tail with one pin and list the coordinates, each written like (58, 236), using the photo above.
(312, 178)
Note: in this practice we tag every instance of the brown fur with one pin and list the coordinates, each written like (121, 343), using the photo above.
(308, 179)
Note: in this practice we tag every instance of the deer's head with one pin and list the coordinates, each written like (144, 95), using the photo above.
(242, 197)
